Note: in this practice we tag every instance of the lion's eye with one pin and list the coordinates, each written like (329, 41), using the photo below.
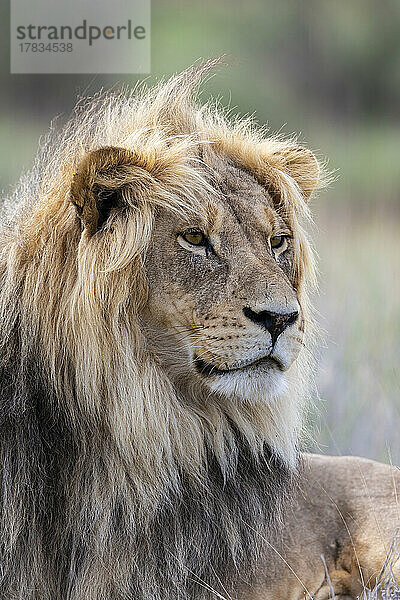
(277, 241)
(195, 237)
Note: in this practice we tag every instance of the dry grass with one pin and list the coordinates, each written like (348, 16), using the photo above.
(358, 377)
(387, 587)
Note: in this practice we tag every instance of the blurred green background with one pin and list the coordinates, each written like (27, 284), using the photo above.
(329, 71)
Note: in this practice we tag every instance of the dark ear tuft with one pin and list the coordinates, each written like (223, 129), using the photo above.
(98, 185)
(106, 201)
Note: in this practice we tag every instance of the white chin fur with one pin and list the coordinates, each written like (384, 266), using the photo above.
(258, 385)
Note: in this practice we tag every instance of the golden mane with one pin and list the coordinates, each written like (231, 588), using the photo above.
(78, 376)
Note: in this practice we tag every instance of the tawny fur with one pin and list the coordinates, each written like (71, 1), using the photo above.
(110, 481)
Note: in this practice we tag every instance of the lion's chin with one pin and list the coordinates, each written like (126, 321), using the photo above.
(261, 381)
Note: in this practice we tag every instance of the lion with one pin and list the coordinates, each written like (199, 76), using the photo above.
(155, 367)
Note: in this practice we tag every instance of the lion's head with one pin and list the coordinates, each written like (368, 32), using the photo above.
(155, 275)
(223, 308)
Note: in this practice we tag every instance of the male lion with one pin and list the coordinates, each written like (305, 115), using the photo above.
(153, 312)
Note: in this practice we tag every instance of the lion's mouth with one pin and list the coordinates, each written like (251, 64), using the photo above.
(208, 369)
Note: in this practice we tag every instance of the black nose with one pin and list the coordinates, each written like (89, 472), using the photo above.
(275, 323)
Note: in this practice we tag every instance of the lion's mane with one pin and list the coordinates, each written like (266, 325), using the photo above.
(112, 487)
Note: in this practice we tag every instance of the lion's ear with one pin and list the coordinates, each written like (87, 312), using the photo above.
(297, 161)
(302, 165)
(101, 182)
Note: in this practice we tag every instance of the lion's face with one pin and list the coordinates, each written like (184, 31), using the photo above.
(215, 262)
(222, 304)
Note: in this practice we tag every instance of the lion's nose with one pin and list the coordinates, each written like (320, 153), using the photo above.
(274, 322)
